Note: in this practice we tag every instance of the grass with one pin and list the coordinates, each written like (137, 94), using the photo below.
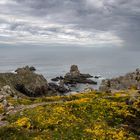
(85, 116)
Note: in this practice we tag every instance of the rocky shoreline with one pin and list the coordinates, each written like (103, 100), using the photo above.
(26, 82)
(126, 82)
(25, 89)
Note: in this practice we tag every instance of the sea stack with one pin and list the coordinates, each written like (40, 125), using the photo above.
(74, 77)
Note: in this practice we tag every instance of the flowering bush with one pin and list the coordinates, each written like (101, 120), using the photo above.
(23, 122)
(86, 116)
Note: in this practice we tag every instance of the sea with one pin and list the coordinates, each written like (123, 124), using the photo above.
(55, 60)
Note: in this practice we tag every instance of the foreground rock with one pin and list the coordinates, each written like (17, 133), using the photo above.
(30, 83)
(128, 81)
(6, 92)
(25, 81)
(74, 77)
(58, 88)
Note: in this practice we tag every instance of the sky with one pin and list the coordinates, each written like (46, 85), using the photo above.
(71, 22)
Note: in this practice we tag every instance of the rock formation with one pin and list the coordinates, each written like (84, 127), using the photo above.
(25, 81)
(74, 76)
(128, 81)
(57, 79)
(5, 92)
(30, 83)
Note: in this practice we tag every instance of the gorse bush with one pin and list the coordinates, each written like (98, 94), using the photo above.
(88, 116)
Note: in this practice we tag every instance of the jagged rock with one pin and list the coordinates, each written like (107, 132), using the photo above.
(74, 76)
(74, 71)
(128, 81)
(58, 88)
(57, 79)
(61, 83)
(32, 68)
(7, 91)
(24, 70)
(24, 81)
(97, 77)
(30, 83)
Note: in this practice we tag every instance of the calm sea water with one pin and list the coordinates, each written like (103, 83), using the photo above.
(55, 60)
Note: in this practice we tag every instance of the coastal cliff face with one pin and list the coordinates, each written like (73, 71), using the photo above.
(128, 81)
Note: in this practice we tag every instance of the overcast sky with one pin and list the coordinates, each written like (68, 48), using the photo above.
(82, 22)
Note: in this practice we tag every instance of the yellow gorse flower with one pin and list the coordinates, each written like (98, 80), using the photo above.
(23, 122)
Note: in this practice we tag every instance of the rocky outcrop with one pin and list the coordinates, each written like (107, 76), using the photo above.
(58, 88)
(57, 79)
(25, 69)
(25, 81)
(6, 92)
(74, 77)
(128, 81)
(29, 83)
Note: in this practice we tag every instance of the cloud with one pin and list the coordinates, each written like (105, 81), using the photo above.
(83, 22)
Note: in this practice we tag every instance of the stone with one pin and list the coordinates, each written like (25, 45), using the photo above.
(23, 70)
(74, 77)
(57, 79)
(128, 81)
(10, 108)
(1, 98)
(30, 83)
(61, 83)
(74, 71)
(5, 103)
(32, 68)
(97, 77)
(24, 81)
(6, 91)
(58, 88)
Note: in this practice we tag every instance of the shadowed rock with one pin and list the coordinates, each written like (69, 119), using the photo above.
(25, 81)
(57, 79)
(58, 88)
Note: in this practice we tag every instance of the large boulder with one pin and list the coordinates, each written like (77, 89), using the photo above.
(25, 81)
(6, 91)
(30, 83)
(59, 89)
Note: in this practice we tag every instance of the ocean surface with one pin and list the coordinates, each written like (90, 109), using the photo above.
(52, 61)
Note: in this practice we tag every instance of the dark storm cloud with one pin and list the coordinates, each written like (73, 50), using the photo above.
(94, 21)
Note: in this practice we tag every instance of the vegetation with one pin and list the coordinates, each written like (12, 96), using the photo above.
(85, 116)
